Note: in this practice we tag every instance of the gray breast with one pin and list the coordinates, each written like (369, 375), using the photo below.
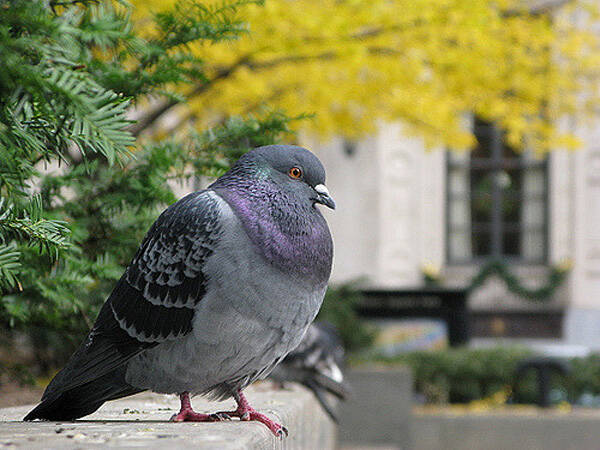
(252, 315)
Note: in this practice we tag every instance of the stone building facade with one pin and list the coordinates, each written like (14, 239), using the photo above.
(402, 207)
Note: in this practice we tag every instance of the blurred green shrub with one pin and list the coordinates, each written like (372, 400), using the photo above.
(584, 379)
(462, 375)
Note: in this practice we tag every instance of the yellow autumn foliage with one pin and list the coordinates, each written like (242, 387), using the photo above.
(427, 63)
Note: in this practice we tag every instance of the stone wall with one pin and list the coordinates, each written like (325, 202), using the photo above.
(378, 411)
(523, 430)
(142, 421)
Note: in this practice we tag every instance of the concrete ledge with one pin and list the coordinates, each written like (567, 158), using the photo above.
(142, 421)
(378, 411)
(531, 429)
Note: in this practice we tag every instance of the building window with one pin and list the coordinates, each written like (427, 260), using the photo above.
(497, 200)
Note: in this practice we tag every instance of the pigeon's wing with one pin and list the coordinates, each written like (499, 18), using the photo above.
(165, 280)
(155, 298)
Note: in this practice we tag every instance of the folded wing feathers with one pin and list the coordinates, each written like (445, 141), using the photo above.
(165, 281)
(147, 307)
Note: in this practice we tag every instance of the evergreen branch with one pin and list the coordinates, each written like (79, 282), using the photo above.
(104, 26)
(543, 293)
(97, 118)
(49, 236)
(190, 21)
(9, 266)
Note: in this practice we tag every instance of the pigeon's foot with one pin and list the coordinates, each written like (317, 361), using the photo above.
(187, 414)
(251, 414)
(246, 412)
(278, 430)
(192, 416)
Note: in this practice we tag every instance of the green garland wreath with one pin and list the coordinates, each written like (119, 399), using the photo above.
(556, 277)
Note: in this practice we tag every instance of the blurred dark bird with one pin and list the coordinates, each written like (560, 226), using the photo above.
(224, 285)
(317, 364)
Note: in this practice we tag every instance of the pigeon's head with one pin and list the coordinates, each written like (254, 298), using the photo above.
(294, 169)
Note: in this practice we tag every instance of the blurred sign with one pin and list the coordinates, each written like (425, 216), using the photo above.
(395, 336)
(431, 304)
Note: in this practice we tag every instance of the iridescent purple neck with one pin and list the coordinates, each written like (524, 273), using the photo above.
(292, 236)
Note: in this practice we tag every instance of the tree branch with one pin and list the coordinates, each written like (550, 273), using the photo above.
(157, 112)
(152, 116)
(537, 10)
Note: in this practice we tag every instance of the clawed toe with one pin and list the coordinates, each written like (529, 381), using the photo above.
(221, 416)
(178, 417)
(282, 432)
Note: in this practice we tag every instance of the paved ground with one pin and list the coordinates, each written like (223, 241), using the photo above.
(142, 421)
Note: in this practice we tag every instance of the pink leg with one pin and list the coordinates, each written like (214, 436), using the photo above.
(187, 414)
(246, 412)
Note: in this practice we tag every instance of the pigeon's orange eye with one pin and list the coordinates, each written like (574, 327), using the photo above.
(295, 172)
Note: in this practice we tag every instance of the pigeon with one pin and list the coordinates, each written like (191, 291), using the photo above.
(224, 285)
(317, 364)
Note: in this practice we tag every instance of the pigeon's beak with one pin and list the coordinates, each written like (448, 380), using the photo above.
(323, 196)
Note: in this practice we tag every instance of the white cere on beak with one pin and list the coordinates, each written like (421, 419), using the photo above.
(322, 189)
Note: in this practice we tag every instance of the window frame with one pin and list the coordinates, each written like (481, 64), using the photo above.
(496, 162)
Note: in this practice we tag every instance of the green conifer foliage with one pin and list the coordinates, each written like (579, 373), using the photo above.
(78, 190)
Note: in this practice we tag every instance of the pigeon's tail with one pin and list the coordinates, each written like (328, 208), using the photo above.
(82, 400)
(338, 388)
(321, 385)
